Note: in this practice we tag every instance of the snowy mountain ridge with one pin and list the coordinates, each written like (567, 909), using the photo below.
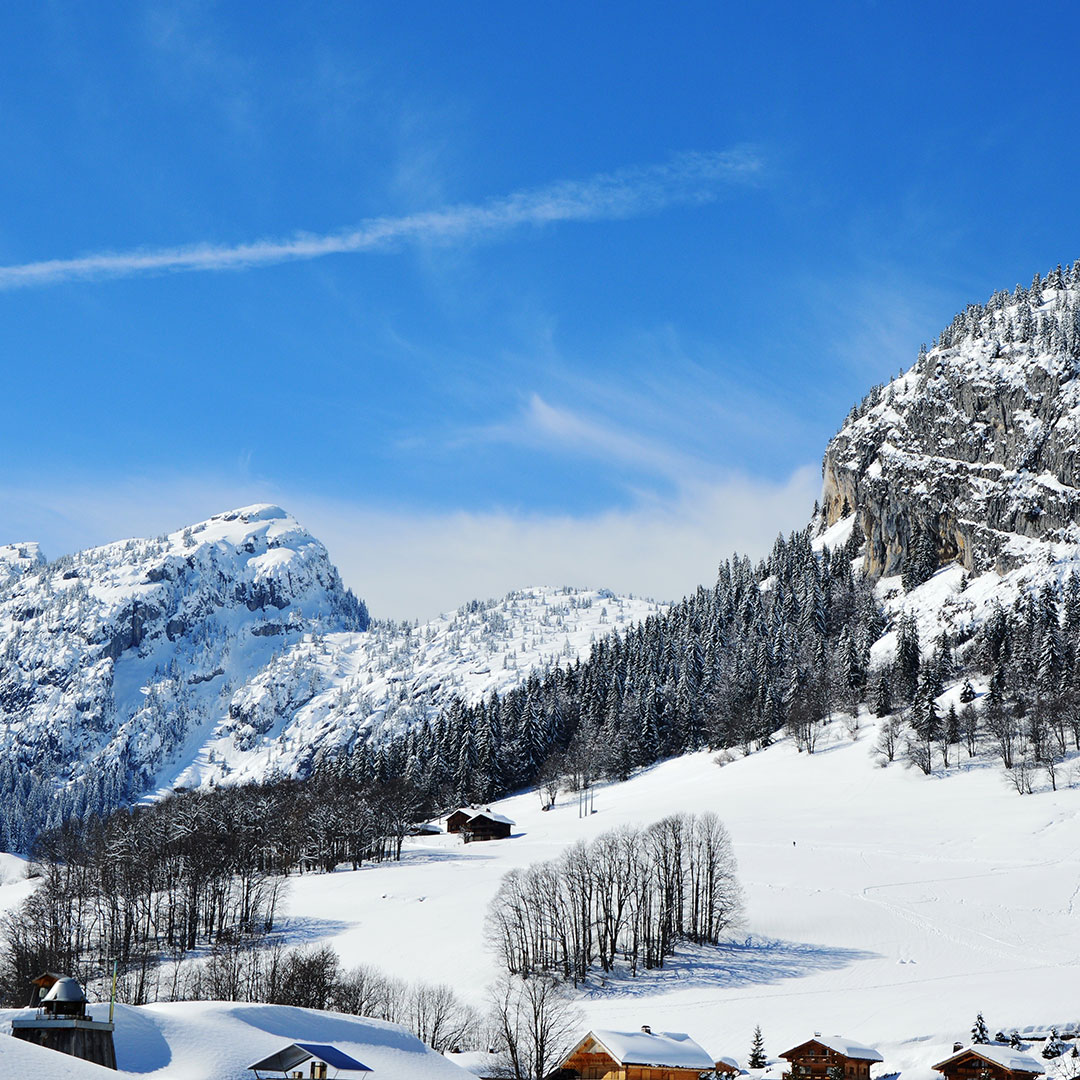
(115, 657)
(327, 691)
(231, 650)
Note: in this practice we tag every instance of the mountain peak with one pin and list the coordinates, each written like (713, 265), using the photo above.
(977, 446)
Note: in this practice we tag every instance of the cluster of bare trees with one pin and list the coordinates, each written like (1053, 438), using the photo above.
(313, 978)
(529, 1025)
(197, 871)
(629, 896)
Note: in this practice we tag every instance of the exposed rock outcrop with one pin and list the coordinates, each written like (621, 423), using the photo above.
(977, 444)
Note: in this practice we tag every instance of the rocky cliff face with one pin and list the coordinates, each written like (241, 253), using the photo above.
(977, 445)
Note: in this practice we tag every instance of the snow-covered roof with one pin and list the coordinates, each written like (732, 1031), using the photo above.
(491, 816)
(664, 1049)
(841, 1045)
(1005, 1056)
(730, 1062)
(216, 1040)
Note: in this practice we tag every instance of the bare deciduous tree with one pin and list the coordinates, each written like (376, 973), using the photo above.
(537, 1024)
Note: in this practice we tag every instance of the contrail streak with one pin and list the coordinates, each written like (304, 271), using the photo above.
(686, 178)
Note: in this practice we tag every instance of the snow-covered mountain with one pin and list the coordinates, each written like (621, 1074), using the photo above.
(114, 660)
(230, 649)
(971, 459)
(328, 690)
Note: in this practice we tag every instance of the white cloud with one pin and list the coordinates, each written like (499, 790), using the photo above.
(413, 564)
(686, 178)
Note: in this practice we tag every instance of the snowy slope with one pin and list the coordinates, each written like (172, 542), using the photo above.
(328, 690)
(881, 904)
(218, 1040)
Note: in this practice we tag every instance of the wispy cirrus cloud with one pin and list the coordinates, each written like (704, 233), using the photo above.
(546, 426)
(685, 179)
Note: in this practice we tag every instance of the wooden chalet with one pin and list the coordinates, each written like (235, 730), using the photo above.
(487, 826)
(819, 1058)
(727, 1066)
(457, 821)
(636, 1055)
(989, 1062)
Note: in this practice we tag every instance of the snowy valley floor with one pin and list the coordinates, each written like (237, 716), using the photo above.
(880, 903)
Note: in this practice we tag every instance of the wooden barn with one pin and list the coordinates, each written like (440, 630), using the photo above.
(636, 1055)
(813, 1059)
(457, 821)
(989, 1063)
(487, 826)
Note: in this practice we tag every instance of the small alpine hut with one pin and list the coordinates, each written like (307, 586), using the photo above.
(322, 1056)
(987, 1062)
(727, 1066)
(813, 1059)
(487, 825)
(636, 1055)
(62, 1023)
(457, 821)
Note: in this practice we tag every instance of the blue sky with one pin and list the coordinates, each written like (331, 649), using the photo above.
(490, 295)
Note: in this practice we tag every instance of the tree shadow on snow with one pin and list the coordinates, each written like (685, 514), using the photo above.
(300, 930)
(298, 1025)
(752, 962)
(416, 857)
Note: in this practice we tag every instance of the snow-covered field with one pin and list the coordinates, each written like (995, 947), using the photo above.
(218, 1040)
(880, 904)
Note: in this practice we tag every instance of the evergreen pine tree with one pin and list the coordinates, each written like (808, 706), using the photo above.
(758, 1058)
(920, 559)
(980, 1035)
(1054, 1047)
(883, 697)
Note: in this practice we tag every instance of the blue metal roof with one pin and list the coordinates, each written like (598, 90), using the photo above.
(297, 1053)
